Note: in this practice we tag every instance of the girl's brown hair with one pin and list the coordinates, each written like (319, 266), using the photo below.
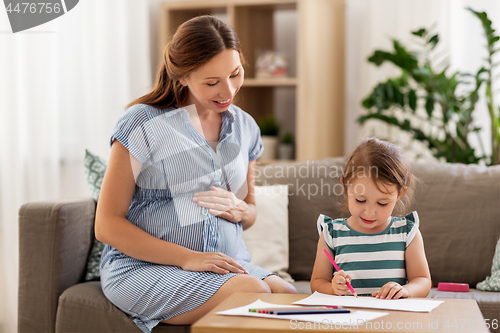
(385, 164)
(195, 43)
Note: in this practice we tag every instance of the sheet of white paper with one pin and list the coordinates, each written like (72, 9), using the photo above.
(407, 304)
(330, 320)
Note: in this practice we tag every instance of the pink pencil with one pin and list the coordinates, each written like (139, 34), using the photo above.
(338, 269)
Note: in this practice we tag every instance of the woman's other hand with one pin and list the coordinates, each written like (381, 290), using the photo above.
(339, 283)
(223, 204)
(216, 262)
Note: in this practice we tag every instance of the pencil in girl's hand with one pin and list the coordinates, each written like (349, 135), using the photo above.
(338, 269)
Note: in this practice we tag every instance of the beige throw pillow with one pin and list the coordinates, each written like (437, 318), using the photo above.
(267, 239)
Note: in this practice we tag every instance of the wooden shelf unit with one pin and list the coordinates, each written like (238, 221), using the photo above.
(318, 86)
(270, 82)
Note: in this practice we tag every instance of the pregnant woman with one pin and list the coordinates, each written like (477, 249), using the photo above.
(179, 188)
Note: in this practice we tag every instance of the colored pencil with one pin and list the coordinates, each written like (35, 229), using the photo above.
(338, 269)
(320, 311)
(272, 310)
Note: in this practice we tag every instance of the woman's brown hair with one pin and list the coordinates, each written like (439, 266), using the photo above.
(385, 164)
(195, 43)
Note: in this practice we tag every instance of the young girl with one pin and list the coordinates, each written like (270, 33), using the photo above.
(380, 255)
(168, 210)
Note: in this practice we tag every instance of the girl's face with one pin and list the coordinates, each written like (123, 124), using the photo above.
(213, 85)
(370, 208)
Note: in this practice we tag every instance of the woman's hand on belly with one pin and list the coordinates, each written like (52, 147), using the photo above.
(216, 262)
(223, 204)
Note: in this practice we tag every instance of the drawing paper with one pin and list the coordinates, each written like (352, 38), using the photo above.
(356, 317)
(407, 304)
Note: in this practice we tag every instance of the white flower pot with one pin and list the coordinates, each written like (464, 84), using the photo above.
(270, 148)
(285, 151)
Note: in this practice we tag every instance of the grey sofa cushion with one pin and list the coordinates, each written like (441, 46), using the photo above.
(459, 209)
(84, 308)
(303, 287)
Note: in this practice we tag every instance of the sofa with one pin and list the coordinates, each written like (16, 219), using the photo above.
(458, 205)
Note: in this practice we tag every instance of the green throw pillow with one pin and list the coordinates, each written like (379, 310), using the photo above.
(95, 167)
(492, 283)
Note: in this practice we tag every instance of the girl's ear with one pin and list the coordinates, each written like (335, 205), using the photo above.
(182, 81)
(403, 191)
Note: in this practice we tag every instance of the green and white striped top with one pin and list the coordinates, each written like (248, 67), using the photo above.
(371, 260)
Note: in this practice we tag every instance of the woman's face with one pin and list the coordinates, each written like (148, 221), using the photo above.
(213, 85)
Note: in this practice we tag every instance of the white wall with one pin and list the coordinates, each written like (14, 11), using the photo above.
(63, 85)
(3, 304)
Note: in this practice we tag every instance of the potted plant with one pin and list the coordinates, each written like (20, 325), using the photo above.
(269, 130)
(446, 124)
(285, 149)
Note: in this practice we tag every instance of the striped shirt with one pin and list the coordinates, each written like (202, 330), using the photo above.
(177, 161)
(371, 260)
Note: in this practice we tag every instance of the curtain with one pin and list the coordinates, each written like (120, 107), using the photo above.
(63, 86)
(371, 25)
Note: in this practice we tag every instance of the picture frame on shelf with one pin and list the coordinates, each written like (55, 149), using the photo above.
(271, 64)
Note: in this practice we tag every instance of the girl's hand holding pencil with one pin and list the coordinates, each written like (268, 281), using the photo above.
(347, 278)
(339, 283)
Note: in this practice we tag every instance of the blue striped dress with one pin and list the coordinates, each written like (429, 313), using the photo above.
(372, 260)
(177, 161)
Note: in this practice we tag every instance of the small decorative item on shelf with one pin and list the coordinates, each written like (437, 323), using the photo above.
(271, 64)
(269, 129)
(285, 149)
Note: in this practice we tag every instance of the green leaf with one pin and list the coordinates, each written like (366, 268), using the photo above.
(420, 32)
(402, 58)
(493, 40)
(429, 105)
(379, 57)
(400, 98)
(434, 40)
(481, 71)
(389, 92)
(362, 119)
(367, 103)
(412, 100)
(406, 126)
